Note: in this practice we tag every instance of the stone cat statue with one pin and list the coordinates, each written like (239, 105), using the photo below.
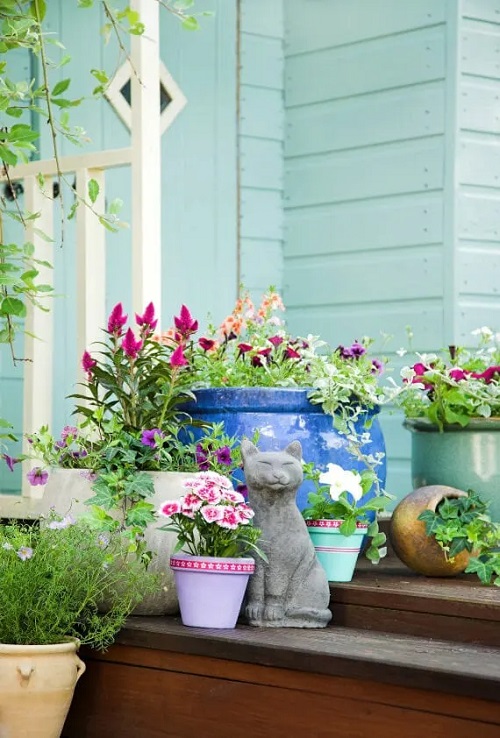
(291, 590)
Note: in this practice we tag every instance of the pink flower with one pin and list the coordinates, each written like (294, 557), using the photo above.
(130, 346)
(37, 476)
(172, 507)
(245, 347)
(211, 494)
(190, 503)
(420, 369)
(458, 374)
(231, 519)
(291, 353)
(488, 375)
(212, 513)
(117, 320)
(88, 363)
(245, 511)
(209, 477)
(207, 344)
(232, 496)
(147, 320)
(276, 340)
(184, 323)
(178, 358)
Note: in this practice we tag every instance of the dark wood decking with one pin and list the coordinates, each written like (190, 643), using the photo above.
(432, 670)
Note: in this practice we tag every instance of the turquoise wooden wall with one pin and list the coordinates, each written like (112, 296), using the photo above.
(365, 176)
(261, 136)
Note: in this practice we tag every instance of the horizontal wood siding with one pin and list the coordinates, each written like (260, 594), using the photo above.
(364, 177)
(261, 133)
(478, 166)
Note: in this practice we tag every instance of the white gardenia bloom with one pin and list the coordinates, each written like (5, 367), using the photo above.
(340, 480)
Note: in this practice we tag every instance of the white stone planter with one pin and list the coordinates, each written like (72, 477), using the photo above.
(67, 491)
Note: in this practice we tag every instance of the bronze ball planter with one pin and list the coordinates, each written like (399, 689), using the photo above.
(417, 550)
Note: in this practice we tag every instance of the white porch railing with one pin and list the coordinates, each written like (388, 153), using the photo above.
(91, 276)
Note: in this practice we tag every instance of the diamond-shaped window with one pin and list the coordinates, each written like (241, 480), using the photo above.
(171, 97)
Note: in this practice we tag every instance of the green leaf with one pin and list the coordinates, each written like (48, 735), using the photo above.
(13, 306)
(190, 23)
(93, 190)
(115, 206)
(61, 87)
(7, 156)
(14, 112)
(38, 8)
(457, 546)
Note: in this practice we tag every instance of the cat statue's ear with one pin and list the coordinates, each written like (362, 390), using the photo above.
(248, 449)
(294, 449)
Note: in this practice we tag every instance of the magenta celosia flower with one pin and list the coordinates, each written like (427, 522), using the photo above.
(88, 364)
(206, 344)
(178, 358)
(10, 461)
(147, 320)
(148, 437)
(130, 346)
(224, 455)
(37, 476)
(117, 320)
(276, 340)
(169, 508)
(184, 322)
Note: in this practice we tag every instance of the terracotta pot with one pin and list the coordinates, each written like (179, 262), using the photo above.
(68, 489)
(415, 548)
(36, 688)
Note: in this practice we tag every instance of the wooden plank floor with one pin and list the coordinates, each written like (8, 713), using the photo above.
(389, 597)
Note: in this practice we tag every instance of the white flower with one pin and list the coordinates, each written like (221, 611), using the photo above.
(401, 352)
(407, 373)
(484, 332)
(340, 480)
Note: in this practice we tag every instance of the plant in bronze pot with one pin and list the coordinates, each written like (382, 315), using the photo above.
(442, 531)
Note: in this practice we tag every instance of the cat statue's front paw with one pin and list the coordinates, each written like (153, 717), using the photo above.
(274, 612)
(253, 611)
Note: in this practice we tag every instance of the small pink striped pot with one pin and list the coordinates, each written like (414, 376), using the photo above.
(210, 589)
(336, 553)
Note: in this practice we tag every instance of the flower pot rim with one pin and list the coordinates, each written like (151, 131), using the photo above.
(71, 645)
(334, 525)
(425, 425)
(212, 564)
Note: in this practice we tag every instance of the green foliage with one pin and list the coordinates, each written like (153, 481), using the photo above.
(463, 524)
(53, 579)
(326, 504)
(454, 386)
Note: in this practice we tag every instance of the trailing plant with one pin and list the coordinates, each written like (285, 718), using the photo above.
(341, 495)
(55, 576)
(212, 519)
(463, 524)
(456, 385)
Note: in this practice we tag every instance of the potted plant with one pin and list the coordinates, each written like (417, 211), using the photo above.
(214, 528)
(123, 457)
(53, 577)
(442, 531)
(451, 401)
(250, 373)
(339, 515)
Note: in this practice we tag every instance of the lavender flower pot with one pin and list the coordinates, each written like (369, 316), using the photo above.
(210, 589)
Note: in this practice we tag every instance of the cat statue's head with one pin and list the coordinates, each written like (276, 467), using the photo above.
(272, 471)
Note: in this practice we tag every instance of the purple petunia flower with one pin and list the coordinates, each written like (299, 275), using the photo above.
(24, 553)
(117, 320)
(130, 346)
(201, 457)
(344, 352)
(206, 344)
(243, 490)
(10, 461)
(147, 320)
(148, 437)
(357, 350)
(224, 455)
(377, 366)
(37, 476)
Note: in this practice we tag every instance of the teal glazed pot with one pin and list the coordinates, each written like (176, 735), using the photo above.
(283, 415)
(466, 458)
(337, 554)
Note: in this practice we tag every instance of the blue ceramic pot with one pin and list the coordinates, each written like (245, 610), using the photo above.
(283, 415)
